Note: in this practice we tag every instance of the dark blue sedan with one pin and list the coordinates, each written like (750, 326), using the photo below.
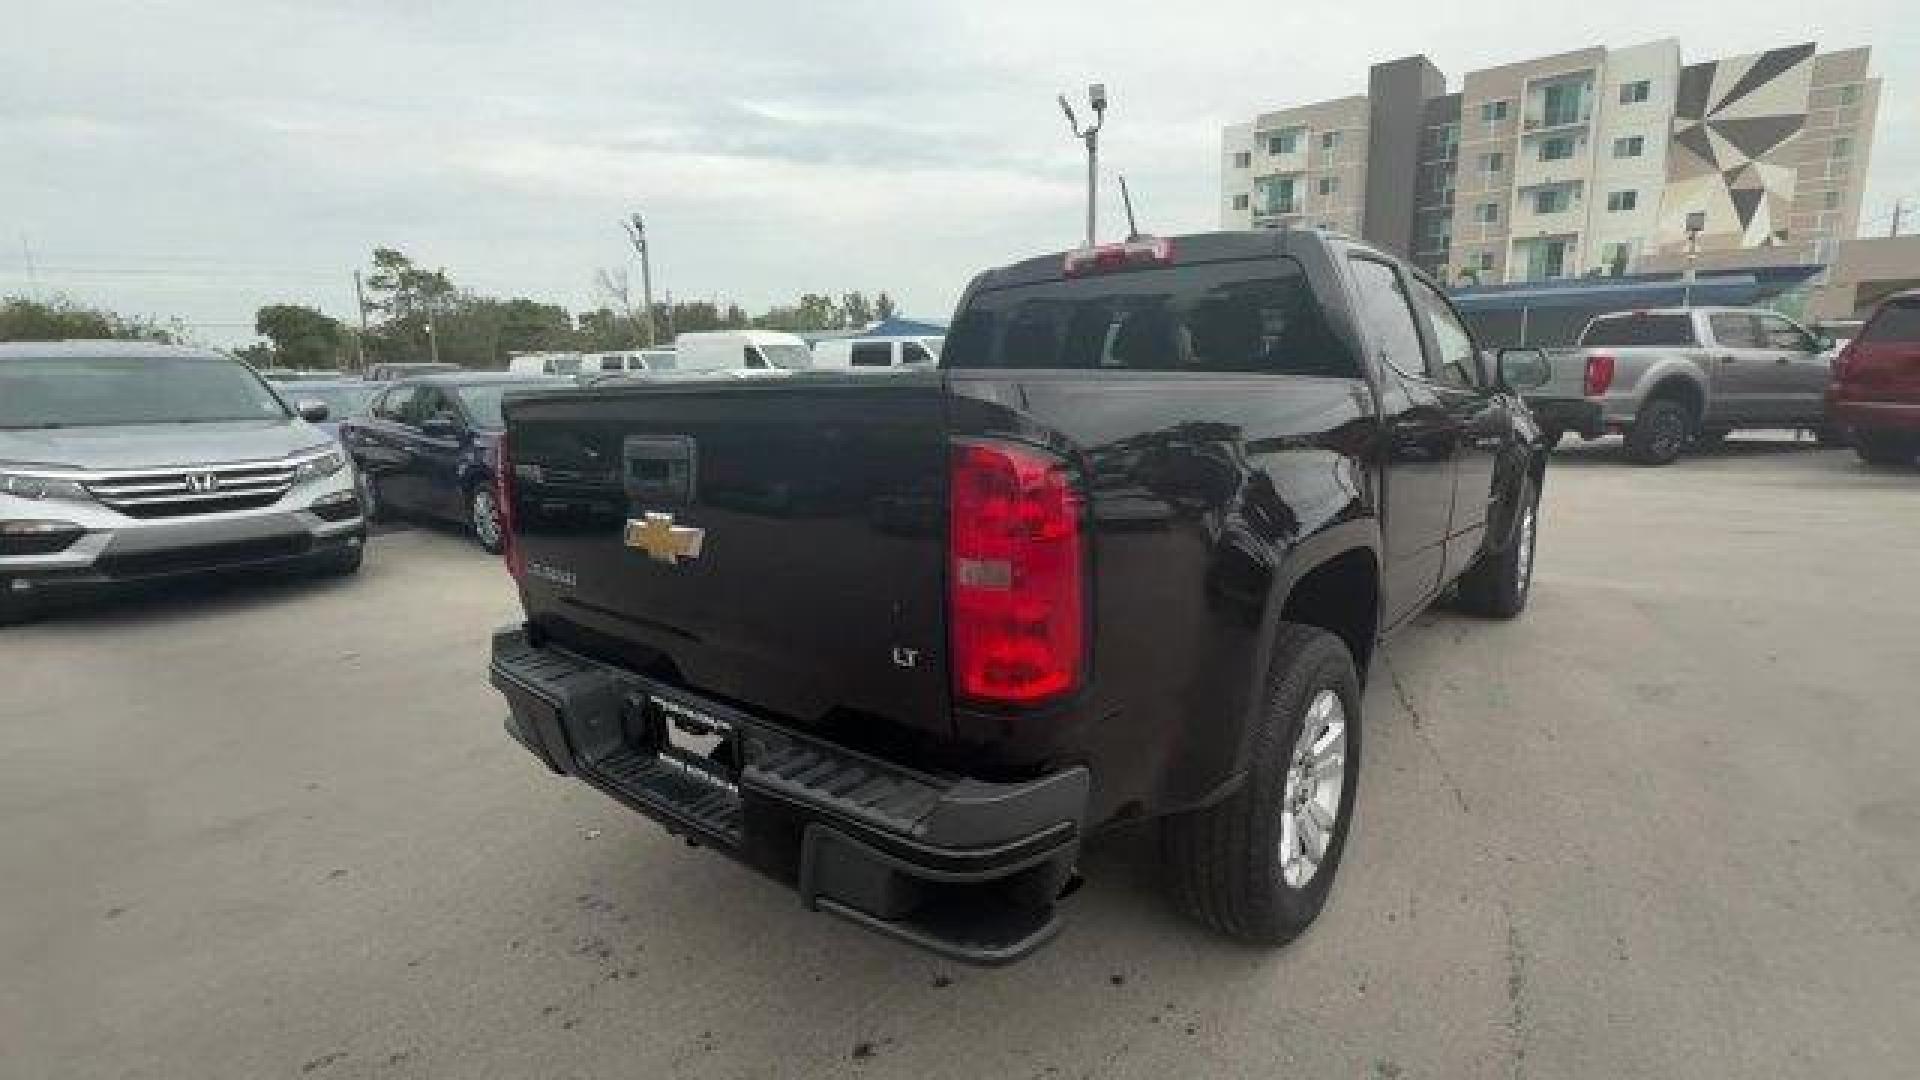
(426, 447)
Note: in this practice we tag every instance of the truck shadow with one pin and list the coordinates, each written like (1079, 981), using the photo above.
(1610, 451)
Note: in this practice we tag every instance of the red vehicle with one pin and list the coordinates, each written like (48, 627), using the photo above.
(1875, 392)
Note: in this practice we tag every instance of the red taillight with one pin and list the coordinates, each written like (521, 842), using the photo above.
(1152, 251)
(1599, 374)
(1016, 603)
(503, 496)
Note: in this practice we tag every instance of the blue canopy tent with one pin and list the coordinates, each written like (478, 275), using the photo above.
(1551, 314)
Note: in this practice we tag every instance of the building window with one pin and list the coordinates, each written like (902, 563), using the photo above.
(1551, 200)
(1635, 92)
(1487, 213)
(1329, 140)
(1842, 146)
(1329, 185)
(1492, 163)
(1618, 201)
(1240, 202)
(1445, 138)
(1558, 148)
(1629, 146)
(1850, 94)
(1563, 103)
(1830, 201)
(1284, 142)
(1492, 112)
(1483, 262)
(1614, 257)
(1243, 159)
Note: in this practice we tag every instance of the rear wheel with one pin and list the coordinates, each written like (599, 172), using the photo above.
(1258, 866)
(1551, 436)
(1660, 432)
(1876, 448)
(483, 518)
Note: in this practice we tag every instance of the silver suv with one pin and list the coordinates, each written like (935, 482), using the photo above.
(123, 462)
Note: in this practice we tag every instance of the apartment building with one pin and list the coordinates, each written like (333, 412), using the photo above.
(1586, 162)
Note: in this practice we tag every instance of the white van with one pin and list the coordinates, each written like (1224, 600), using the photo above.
(629, 361)
(741, 350)
(876, 352)
(544, 363)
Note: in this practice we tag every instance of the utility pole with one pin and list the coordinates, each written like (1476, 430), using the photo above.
(33, 275)
(360, 302)
(637, 232)
(1899, 208)
(1097, 96)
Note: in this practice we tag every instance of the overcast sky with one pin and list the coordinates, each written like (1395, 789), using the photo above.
(200, 159)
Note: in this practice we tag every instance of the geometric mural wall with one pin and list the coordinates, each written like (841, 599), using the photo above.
(1735, 123)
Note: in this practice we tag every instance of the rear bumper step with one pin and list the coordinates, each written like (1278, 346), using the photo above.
(967, 869)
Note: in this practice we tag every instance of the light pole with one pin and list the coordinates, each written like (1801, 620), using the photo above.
(1696, 224)
(1097, 96)
(637, 232)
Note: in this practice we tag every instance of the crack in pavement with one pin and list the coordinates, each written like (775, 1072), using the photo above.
(1516, 996)
(1420, 732)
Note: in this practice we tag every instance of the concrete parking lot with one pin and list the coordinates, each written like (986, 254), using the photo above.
(1667, 824)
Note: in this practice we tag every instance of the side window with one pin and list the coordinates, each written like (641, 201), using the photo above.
(1388, 317)
(913, 352)
(750, 357)
(403, 404)
(430, 403)
(1734, 330)
(1781, 334)
(610, 363)
(871, 354)
(1456, 362)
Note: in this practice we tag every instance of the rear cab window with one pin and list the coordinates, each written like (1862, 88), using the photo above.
(872, 354)
(1655, 329)
(1257, 316)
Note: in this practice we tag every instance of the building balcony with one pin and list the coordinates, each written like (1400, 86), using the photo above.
(1562, 121)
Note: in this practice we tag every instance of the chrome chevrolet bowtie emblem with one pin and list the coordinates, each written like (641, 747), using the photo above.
(658, 536)
(202, 483)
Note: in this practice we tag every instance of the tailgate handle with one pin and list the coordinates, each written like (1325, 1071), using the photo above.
(658, 471)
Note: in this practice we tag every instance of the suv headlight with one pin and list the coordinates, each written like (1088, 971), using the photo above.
(319, 467)
(35, 484)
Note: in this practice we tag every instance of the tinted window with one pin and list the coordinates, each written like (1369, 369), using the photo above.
(1387, 316)
(1781, 334)
(1670, 329)
(913, 352)
(612, 363)
(1256, 315)
(1896, 322)
(78, 391)
(872, 354)
(1456, 361)
(1735, 330)
(341, 401)
(482, 403)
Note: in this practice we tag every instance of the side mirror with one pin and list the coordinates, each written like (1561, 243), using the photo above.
(1523, 369)
(311, 411)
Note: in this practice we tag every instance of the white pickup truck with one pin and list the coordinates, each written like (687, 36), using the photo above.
(1671, 377)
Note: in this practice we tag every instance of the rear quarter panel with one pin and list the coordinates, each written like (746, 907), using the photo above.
(1200, 491)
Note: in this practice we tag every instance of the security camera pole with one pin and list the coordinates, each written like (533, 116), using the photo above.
(637, 232)
(1097, 95)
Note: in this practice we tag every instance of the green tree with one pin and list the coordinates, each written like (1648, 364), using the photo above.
(24, 319)
(411, 301)
(302, 337)
(883, 307)
(855, 311)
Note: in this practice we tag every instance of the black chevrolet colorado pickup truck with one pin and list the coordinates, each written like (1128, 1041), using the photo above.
(906, 640)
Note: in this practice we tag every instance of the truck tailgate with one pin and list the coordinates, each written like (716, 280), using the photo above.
(779, 543)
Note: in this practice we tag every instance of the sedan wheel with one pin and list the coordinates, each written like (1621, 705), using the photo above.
(483, 514)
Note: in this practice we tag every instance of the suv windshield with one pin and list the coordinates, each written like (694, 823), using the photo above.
(78, 391)
(787, 355)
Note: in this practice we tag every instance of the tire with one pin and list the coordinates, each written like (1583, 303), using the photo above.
(483, 519)
(1878, 449)
(1550, 436)
(1224, 861)
(373, 506)
(1660, 432)
(1497, 586)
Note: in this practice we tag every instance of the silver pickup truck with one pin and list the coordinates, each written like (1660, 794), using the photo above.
(1670, 377)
